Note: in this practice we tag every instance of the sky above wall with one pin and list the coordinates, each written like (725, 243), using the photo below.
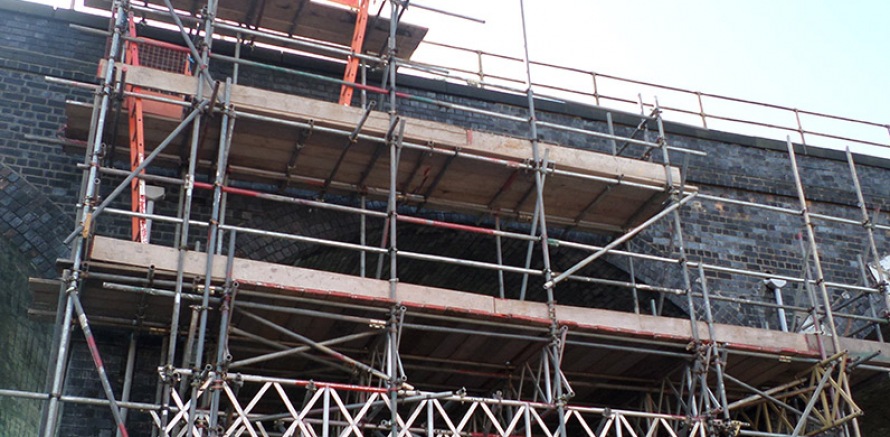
(821, 56)
(816, 55)
(791, 52)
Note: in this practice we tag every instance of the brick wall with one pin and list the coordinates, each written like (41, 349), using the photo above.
(25, 344)
(81, 380)
(31, 234)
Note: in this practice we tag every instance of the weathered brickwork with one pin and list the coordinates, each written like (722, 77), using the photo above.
(25, 344)
(80, 420)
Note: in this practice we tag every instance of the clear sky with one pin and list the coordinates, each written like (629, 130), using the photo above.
(822, 56)
(816, 55)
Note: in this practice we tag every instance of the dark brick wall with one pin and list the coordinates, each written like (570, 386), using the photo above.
(31, 228)
(39, 185)
(38, 189)
(82, 380)
(736, 167)
(31, 48)
(31, 223)
(25, 344)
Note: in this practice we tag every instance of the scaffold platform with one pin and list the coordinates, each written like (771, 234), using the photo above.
(321, 21)
(607, 351)
(440, 164)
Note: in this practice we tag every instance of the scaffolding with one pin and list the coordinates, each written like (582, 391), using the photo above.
(379, 356)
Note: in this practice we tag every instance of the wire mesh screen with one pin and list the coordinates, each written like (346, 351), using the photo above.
(157, 56)
(163, 58)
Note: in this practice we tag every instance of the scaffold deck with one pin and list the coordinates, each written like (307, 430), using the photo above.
(495, 332)
(449, 166)
(301, 18)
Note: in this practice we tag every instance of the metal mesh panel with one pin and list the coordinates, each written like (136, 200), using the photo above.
(163, 58)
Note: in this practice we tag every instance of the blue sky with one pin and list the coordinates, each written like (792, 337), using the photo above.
(814, 55)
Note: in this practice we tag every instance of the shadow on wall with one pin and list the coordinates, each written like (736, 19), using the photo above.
(25, 344)
(31, 233)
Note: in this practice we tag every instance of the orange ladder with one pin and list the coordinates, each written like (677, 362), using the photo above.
(156, 54)
(137, 146)
(358, 40)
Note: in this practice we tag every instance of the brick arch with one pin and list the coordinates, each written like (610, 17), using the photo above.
(296, 220)
(344, 227)
(31, 233)
(31, 223)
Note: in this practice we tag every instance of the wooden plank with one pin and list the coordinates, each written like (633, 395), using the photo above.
(246, 271)
(587, 162)
(292, 279)
(44, 293)
(422, 131)
(304, 18)
(465, 181)
(268, 146)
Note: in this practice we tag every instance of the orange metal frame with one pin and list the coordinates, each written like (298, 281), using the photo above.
(358, 40)
(137, 146)
(136, 108)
